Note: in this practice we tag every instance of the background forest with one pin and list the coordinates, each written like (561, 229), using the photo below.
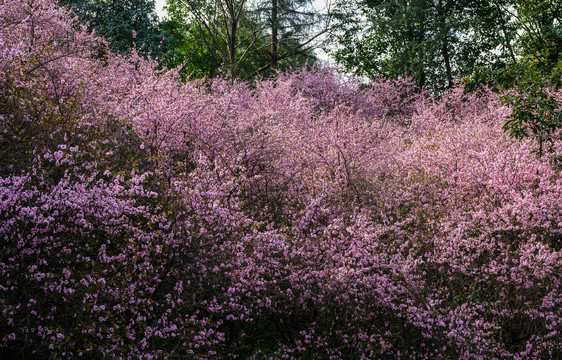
(433, 42)
(195, 187)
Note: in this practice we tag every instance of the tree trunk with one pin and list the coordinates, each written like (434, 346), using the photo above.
(444, 43)
(232, 34)
(274, 35)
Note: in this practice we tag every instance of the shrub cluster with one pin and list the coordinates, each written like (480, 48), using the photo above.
(304, 217)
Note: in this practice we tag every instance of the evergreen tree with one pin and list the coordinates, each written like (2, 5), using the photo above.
(244, 39)
(294, 27)
(125, 23)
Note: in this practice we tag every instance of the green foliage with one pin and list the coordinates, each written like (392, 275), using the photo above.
(183, 48)
(125, 23)
(431, 42)
(210, 37)
(293, 28)
(535, 39)
(541, 41)
(534, 80)
(236, 38)
(536, 113)
(390, 46)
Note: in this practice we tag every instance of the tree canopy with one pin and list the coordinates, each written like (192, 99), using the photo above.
(430, 41)
(124, 23)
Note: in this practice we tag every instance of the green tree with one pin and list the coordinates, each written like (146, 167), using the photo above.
(294, 28)
(431, 41)
(222, 30)
(124, 23)
(540, 22)
(537, 109)
(243, 39)
(187, 47)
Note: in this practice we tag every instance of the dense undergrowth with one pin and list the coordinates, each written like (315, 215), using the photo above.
(305, 217)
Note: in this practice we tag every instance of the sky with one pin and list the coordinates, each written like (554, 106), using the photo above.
(160, 8)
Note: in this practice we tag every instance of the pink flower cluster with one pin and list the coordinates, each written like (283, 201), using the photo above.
(305, 216)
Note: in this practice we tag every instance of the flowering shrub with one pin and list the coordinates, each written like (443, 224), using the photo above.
(306, 217)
